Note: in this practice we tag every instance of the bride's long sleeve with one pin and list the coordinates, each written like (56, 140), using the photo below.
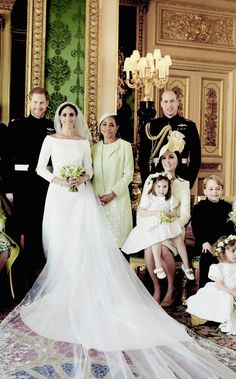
(42, 166)
(87, 161)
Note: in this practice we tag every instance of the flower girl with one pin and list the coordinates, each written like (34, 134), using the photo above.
(216, 300)
(157, 221)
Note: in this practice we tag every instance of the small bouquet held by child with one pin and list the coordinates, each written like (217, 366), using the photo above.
(72, 171)
(232, 215)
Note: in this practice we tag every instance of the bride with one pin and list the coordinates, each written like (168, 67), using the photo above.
(88, 315)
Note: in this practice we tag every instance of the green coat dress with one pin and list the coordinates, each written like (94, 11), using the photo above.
(113, 166)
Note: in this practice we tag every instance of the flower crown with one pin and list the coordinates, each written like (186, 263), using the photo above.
(221, 246)
(157, 174)
(150, 179)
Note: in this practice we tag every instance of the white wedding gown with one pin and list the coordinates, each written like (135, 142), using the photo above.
(88, 310)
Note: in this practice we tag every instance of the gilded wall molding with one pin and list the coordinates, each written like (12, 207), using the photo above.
(211, 167)
(7, 4)
(5, 58)
(189, 27)
(35, 45)
(91, 65)
(211, 115)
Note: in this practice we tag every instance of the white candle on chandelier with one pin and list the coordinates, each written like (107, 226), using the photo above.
(142, 64)
(162, 68)
(127, 67)
(150, 61)
(135, 55)
(152, 70)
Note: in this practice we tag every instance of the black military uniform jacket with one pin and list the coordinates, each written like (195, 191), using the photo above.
(5, 167)
(26, 136)
(190, 156)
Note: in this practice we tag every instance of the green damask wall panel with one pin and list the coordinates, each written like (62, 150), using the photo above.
(65, 52)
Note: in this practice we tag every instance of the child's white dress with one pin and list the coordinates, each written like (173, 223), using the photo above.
(214, 304)
(149, 230)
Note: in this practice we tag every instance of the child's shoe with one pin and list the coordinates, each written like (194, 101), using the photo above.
(160, 273)
(188, 272)
(224, 327)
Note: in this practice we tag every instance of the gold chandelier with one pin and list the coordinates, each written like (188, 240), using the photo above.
(147, 72)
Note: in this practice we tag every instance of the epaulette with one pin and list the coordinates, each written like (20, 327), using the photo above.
(187, 119)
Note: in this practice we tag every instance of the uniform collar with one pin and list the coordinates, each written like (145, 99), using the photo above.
(170, 120)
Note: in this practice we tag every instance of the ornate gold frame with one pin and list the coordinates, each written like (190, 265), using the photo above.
(5, 58)
(35, 46)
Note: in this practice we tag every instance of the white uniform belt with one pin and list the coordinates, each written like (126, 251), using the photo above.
(24, 167)
(184, 160)
(21, 167)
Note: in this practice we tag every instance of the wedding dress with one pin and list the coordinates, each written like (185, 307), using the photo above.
(88, 315)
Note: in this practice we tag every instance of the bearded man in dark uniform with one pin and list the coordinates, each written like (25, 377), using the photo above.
(155, 134)
(25, 138)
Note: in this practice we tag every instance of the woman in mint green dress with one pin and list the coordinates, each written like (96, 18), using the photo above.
(113, 167)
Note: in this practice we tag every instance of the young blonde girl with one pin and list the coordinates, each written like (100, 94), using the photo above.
(216, 300)
(157, 221)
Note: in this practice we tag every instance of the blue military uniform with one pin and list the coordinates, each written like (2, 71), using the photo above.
(149, 149)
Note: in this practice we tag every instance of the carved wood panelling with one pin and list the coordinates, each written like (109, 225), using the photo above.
(211, 116)
(197, 28)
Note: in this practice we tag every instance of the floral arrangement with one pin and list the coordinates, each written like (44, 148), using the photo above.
(166, 218)
(4, 243)
(232, 215)
(71, 171)
(221, 246)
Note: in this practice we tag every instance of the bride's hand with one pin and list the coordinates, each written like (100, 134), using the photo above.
(60, 182)
(78, 181)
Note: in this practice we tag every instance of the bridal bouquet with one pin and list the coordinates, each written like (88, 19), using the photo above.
(71, 171)
(165, 218)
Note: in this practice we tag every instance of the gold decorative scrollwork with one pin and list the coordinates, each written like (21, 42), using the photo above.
(210, 121)
(197, 28)
(35, 45)
(7, 4)
(91, 66)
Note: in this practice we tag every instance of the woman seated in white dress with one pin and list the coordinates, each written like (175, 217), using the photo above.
(158, 221)
(88, 311)
(169, 161)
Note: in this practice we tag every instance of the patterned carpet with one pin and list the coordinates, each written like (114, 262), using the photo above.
(207, 335)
